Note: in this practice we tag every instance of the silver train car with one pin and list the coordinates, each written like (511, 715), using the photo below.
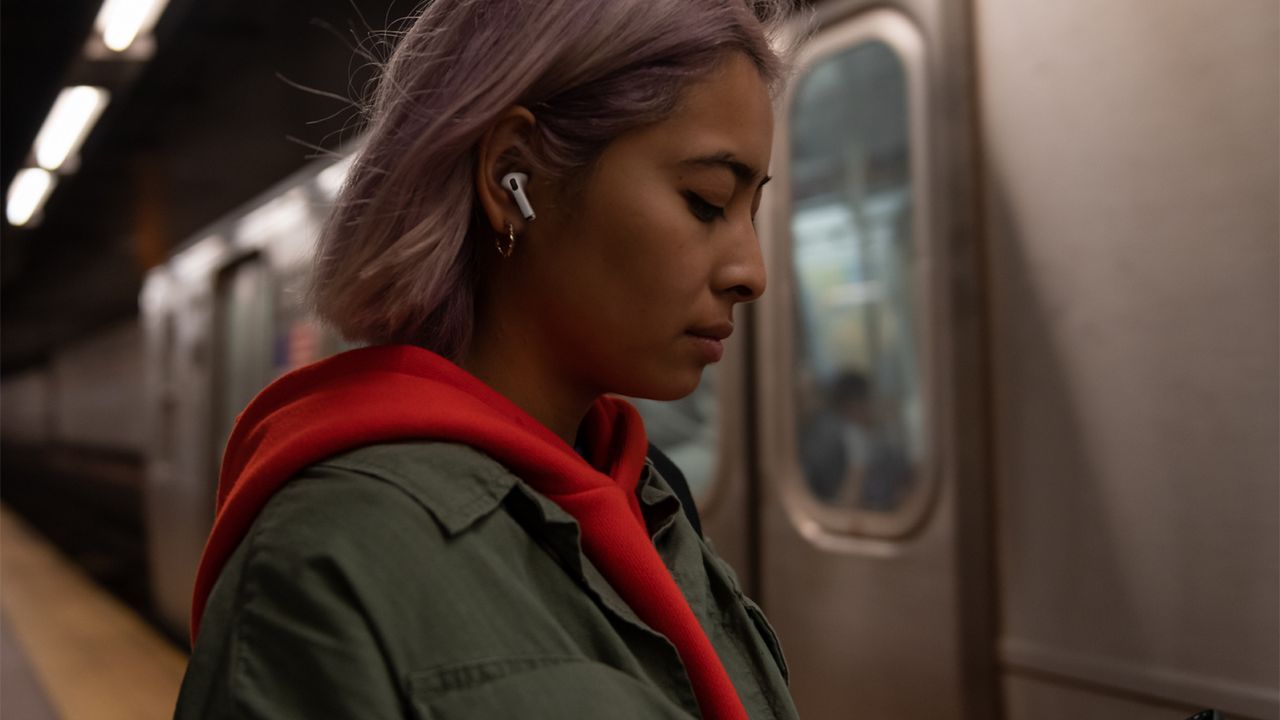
(1000, 440)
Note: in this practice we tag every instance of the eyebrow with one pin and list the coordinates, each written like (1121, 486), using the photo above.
(740, 170)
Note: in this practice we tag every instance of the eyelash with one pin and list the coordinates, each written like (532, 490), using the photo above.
(703, 210)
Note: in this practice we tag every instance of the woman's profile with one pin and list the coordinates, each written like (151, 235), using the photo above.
(554, 205)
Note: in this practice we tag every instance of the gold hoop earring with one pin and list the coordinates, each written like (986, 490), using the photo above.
(510, 248)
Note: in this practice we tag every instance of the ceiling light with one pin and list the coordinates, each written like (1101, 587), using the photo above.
(120, 22)
(27, 193)
(70, 120)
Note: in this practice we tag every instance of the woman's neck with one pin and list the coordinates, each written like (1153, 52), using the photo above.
(510, 364)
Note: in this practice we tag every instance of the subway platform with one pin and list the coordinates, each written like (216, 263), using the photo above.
(68, 649)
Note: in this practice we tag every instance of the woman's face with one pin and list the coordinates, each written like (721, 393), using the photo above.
(633, 287)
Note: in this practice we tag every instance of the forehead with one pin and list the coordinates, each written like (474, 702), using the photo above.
(727, 113)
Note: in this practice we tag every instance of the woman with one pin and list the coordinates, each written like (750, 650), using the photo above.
(554, 204)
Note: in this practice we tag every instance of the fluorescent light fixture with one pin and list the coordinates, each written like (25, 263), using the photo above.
(69, 122)
(27, 193)
(120, 22)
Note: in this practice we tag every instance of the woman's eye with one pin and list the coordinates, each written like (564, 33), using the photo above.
(703, 210)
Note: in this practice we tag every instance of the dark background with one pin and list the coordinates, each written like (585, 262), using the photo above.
(208, 121)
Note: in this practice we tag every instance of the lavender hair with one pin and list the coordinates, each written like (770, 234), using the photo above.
(394, 262)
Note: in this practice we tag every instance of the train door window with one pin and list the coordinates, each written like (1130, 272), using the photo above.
(687, 431)
(860, 430)
(245, 360)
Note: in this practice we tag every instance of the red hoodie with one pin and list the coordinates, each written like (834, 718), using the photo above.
(381, 394)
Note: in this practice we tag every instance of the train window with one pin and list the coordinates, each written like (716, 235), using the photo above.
(687, 431)
(858, 399)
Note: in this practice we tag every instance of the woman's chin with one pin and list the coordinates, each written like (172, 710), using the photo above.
(669, 386)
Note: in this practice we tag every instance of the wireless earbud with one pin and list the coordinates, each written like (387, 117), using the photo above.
(514, 183)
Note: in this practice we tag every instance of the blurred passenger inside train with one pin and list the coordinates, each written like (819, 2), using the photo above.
(553, 205)
(847, 459)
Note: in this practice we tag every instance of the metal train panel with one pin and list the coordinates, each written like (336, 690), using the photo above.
(1131, 189)
(180, 465)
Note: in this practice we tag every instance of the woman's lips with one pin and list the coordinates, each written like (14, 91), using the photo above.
(710, 340)
(712, 349)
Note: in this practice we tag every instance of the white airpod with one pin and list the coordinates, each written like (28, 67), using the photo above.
(514, 183)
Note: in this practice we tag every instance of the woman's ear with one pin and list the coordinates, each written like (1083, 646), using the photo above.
(503, 148)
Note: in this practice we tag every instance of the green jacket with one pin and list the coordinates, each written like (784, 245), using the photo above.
(424, 580)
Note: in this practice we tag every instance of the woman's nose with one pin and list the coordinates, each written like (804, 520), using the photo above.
(742, 274)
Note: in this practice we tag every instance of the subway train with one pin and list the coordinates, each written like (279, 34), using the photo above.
(1002, 437)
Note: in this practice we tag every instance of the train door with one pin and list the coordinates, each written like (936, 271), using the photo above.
(160, 314)
(177, 310)
(246, 342)
(872, 562)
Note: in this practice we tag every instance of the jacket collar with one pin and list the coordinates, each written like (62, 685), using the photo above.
(459, 485)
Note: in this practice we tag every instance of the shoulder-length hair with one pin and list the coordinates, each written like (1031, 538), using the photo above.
(394, 262)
